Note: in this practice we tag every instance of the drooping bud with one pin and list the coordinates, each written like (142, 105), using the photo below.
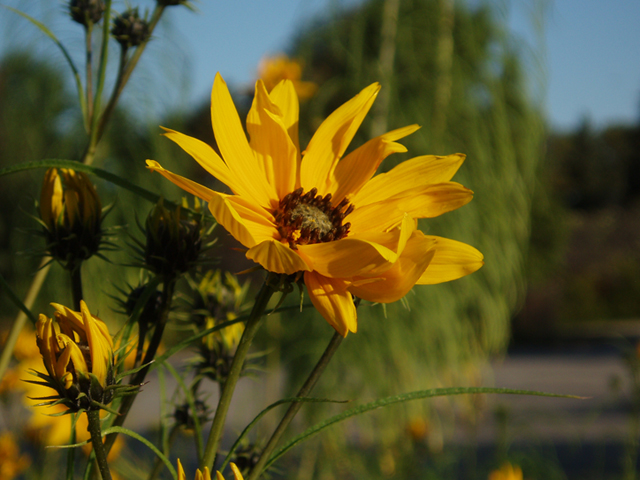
(77, 352)
(71, 212)
(86, 11)
(129, 29)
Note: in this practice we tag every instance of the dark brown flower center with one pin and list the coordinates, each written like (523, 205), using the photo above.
(307, 218)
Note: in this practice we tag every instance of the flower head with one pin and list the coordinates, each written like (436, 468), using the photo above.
(206, 475)
(77, 352)
(71, 212)
(272, 70)
(327, 217)
(506, 472)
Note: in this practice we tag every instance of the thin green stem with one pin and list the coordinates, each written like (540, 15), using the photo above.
(21, 319)
(89, 153)
(93, 417)
(250, 329)
(138, 378)
(126, 69)
(291, 412)
(158, 465)
(89, 74)
(76, 284)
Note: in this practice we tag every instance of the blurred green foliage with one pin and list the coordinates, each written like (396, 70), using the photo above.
(459, 73)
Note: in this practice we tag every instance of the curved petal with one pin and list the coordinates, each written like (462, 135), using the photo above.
(234, 146)
(332, 138)
(333, 301)
(71, 352)
(271, 143)
(285, 97)
(190, 186)
(207, 158)
(45, 334)
(423, 202)
(452, 260)
(354, 170)
(276, 257)
(396, 282)
(236, 472)
(352, 256)
(99, 347)
(181, 474)
(416, 172)
(247, 223)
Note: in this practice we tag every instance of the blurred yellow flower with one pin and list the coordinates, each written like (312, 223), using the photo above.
(506, 472)
(77, 352)
(289, 210)
(207, 476)
(12, 463)
(272, 70)
(71, 212)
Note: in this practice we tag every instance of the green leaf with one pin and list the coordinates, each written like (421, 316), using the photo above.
(43, 28)
(405, 397)
(80, 167)
(16, 300)
(192, 405)
(265, 411)
(151, 446)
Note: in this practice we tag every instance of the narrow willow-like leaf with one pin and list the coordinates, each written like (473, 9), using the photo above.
(265, 411)
(405, 397)
(188, 341)
(43, 28)
(80, 167)
(16, 300)
(151, 446)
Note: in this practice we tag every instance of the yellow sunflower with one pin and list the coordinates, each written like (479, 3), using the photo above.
(351, 233)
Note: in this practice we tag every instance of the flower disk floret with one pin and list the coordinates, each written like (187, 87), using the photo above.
(375, 250)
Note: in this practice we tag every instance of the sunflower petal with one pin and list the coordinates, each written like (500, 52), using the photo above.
(452, 260)
(234, 145)
(396, 282)
(417, 172)
(332, 138)
(285, 97)
(271, 143)
(354, 170)
(206, 157)
(276, 257)
(333, 301)
(247, 223)
(190, 186)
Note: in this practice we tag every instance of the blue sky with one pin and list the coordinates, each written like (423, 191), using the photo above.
(592, 49)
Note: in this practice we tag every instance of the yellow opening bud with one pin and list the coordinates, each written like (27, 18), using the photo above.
(71, 212)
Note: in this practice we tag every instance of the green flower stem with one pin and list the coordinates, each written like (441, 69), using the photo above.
(250, 329)
(89, 66)
(21, 319)
(76, 284)
(87, 157)
(138, 378)
(93, 417)
(126, 69)
(158, 465)
(291, 412)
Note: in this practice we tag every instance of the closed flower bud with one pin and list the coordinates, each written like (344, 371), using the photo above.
(86, 11)
(71, 212)
(170, 3)
(173, 241)
(77, 352)
(129, 29)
